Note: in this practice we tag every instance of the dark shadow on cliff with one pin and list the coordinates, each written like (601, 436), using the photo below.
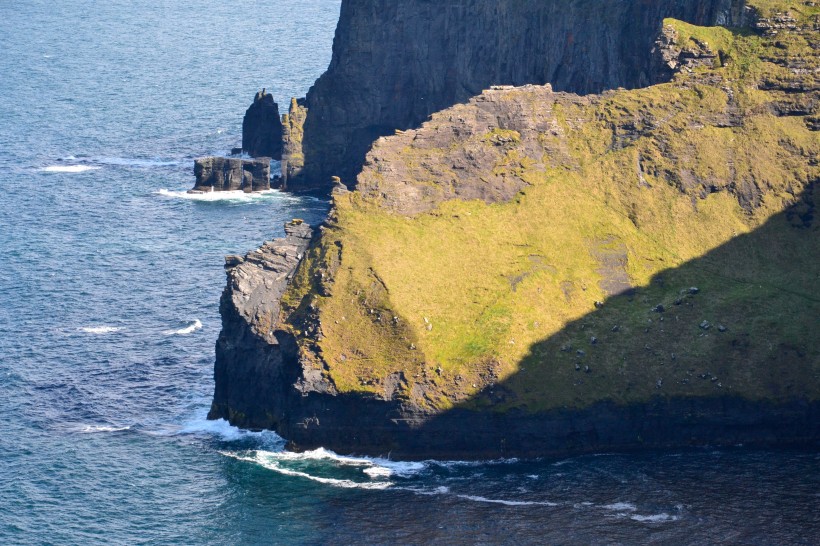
(722, 350)
(396, 63)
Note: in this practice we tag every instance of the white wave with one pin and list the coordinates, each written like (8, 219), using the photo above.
(93, 429)
(99, 329)
(136, 162)
(225, 431)
(477, 498)
(449, 465)
(655, 518)
(271, 461)
(69, 168)
(192, 327)
(216, 196)
(621, 507)
(375, 467)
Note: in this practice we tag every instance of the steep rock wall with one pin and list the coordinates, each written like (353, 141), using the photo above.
(395, 63)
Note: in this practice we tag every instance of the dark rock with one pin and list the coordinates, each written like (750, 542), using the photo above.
(236, 151)
(232, 261)
(248, 369)
(659, 309)
(231, 174)
(262, 128)
(395, 63)
(705, 325)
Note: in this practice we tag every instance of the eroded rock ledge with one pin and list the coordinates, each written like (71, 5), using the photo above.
(231, 174)
(251, 376)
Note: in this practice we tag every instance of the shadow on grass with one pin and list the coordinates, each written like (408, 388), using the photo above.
(722, 350)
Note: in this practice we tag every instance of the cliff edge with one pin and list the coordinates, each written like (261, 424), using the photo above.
(538, 272)
(396, 63)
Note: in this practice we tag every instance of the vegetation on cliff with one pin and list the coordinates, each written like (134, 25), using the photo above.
(539, 250)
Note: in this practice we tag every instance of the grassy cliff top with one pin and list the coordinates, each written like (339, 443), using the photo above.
(537, 250)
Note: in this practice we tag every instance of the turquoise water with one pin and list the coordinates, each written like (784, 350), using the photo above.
(109, 314)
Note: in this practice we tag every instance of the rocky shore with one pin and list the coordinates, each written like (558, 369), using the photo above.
(534, 272)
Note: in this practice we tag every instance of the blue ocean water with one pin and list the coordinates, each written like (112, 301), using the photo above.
(109, 314)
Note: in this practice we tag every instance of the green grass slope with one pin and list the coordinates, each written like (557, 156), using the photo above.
(548, 243)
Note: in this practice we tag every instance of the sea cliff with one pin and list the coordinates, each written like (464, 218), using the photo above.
(534, 271)
(395, 63)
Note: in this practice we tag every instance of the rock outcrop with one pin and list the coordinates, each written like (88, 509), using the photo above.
(252, 382)
(395, 63)
(231, 174)
(535, 272)
(262, 128)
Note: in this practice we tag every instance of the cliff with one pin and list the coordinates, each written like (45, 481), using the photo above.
(395, 63)
(536, 272)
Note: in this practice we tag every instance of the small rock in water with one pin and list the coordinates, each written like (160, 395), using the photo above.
(587, 369)
(659, 308)
(694, 290)
(593, 340)
(580, 352)
(599, 304)
(705, 325)
(577, 367)
(616, 328)
(722, 328)
(659, 384)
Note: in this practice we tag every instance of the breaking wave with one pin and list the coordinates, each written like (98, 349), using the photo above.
(191, 327)
(94, 429)
(69, 168)
(99, 330)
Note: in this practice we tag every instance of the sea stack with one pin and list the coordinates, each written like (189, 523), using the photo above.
(262, 128)
(231, 174)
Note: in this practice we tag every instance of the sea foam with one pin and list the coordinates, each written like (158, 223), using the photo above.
(94, 429)
(217, 196)
(654, 518)
(191, 327)
(99, 330)
(273, 461)
(477, 498)
(69, 169)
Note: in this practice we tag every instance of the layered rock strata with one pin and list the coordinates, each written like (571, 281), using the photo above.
(262, 128)
(253, 383)
(231, 174)
(395, 63)
(536, 272)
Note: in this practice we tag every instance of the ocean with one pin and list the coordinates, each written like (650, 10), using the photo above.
(109, 315)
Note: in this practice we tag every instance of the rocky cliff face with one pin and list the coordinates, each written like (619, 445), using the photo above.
(252, 383)
(536, 272)
(231, 174)
(395, 63)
